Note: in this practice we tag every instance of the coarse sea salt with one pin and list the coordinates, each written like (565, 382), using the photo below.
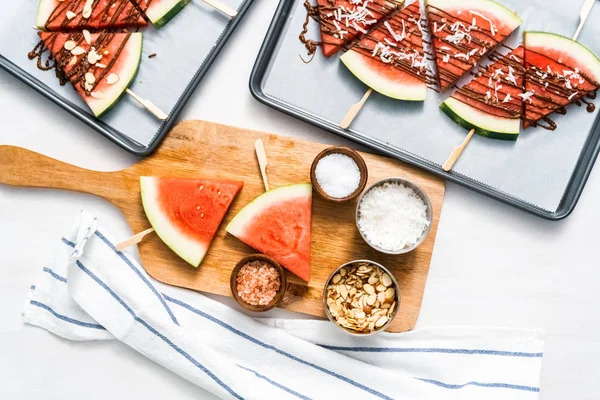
(338, 175)
(392, 216)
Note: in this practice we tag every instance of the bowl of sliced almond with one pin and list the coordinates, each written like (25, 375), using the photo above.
(361, 297)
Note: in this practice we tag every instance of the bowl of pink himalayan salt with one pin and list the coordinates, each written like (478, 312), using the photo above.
(258, 283)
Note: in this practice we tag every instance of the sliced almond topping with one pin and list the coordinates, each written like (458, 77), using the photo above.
(87, 36)
(386, 280)
(70, 45)
(73, 61)
(90, 78)
(112, 79)
(87, 12)
(93, 56)
(88, 86)
(77, 51)
(100, 65)
(97, 95)
(71, 15)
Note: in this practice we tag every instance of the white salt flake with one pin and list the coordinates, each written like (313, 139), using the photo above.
(338, 175)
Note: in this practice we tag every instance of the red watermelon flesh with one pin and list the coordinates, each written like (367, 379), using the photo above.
(559, 71)
(69, 15)
(186, 213)
(498, 87)
(463, 31)
(277, 224)
(343, 21)
(391, 59)
(120, 57)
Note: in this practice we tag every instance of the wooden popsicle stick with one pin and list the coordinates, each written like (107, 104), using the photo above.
(457, 152)
(262, 161)
(353, 111)
(583, 15)
(222, 7)
(135, 239)
(148, 105)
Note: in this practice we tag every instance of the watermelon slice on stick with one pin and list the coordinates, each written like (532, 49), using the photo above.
(391, 59)
(343, 21)
(186, 213)
(69, 15)
(492, 102)
(160, 12)
(277, 223)
(100, 66)
(558, 72)
(465, 30)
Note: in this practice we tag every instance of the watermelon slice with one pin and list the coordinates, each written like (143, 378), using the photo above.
(100, 70)
(277, 223)
(391, 59)
(558, 71)
(66, 15)
(159, 12)
(186, 213)
(465, 30)
(492, 102)
(342, 21)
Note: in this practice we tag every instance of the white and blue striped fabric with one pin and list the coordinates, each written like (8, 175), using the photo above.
(91, 291)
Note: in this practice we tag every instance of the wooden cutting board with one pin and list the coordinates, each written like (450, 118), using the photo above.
(196, 149)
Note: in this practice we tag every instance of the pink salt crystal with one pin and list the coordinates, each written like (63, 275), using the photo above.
(257, 283)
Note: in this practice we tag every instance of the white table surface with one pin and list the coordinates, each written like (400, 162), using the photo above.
(492, 265)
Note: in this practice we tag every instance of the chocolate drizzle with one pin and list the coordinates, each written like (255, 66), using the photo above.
(104, 14)
(406, 55)
(480, 40)
(74, 68)
(311, 45)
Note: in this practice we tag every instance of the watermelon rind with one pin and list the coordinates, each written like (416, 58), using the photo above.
(494, 8)
(238, 224)
(162, 11)
(190, 250)
(45, 9)
(581, 55)
(484, 124)
(126, 76)
(395, 89)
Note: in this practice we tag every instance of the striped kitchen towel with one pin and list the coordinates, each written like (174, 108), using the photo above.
(91, 291)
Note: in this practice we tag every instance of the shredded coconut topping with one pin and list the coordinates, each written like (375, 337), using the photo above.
(527, 96)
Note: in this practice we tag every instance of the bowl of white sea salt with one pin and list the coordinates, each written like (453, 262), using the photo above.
(394, 216)
(339, 174)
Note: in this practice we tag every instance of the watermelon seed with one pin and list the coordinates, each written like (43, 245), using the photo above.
(218, 192)
(201, 215)
(198, 208)
(201, 187)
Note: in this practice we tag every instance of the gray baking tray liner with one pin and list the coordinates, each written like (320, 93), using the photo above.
(543, 172)
(184, 48)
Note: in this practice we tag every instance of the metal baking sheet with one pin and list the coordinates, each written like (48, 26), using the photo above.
(543, 172)
(185, 48)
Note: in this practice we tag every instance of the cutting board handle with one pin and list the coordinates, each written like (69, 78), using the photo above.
(21, 167)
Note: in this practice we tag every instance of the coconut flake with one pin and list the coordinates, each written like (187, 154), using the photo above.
(573, 95)
(397, 37)
(507, 98)
(527, 96)
(492, 26)
(446, 58)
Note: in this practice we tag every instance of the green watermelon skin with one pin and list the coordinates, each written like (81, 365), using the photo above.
(105, 14)
(186, 213)
(160, 12)
(277, 224)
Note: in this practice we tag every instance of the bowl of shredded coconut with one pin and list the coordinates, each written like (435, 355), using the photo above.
(394, 216)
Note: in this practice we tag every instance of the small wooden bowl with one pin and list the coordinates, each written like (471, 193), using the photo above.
(362, 167)
(233, 284)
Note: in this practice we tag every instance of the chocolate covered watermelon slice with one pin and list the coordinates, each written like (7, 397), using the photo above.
(70, 15)
(492, 102)
(391, 59)
(277, 223)
(100, 66)
(465, 30)
(186, 213)
(343, 21)
(558, 71)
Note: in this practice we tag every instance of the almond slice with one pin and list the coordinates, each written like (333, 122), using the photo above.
(71, 15)
(98, 65)
(77, 51)
(90, 78)
(70, 45)
(97, 95)
(87, 36)
(112, 79)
